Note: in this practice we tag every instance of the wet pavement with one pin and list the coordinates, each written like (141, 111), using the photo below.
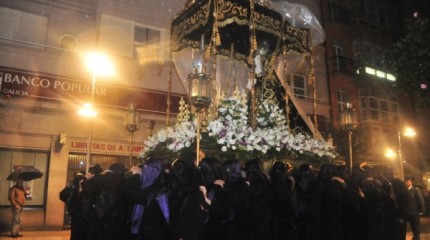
(64, 234)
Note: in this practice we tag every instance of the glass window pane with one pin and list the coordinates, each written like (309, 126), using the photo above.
(299, 84)
(5, 169)
(12, 159)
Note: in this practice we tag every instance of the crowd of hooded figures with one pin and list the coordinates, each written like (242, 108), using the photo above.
(234, 200)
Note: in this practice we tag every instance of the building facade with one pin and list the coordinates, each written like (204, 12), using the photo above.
(360, 35)
(44, 83)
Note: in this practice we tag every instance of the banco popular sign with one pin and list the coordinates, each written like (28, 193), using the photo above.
(20, 83)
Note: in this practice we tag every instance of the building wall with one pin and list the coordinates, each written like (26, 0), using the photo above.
(33, 117)
(344, 24)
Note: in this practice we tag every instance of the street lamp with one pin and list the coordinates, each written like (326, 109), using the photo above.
(131, 123)
(99, 65)
(409, 132)
(348, 121)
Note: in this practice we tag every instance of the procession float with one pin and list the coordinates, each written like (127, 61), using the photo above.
(233, 58)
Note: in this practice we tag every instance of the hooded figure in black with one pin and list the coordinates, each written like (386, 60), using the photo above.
(284, 213)
(332, 203)
(147, 191)
(219, 216)
(261, 200)
(74, 208)
(239, 196)
(309, 193)
(371, 217)
(400, 192)
(186, 201)
(91, 190)
(111, 206)
(392, 215)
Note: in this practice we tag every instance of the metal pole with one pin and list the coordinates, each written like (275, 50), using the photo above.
(198, 139)
(131, 149)
(90, 134)
(350, 150)
(402, 174)
(93, 89)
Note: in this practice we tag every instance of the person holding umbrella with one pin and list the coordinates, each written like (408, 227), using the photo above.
(17, 201)
(17, 193)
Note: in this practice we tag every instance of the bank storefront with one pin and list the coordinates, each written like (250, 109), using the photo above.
(40, 127)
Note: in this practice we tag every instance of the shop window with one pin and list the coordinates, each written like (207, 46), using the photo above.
(11, 159)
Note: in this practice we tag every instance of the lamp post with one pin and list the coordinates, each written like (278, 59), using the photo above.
(131, 123)
(348, 122)
(99, 65)
(409, 132)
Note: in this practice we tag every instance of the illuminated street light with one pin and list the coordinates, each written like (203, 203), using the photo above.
(99, 65)
(88, 111)
(409, 132)
(390, 153)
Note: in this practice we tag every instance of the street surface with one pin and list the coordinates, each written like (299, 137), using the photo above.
(60, 234)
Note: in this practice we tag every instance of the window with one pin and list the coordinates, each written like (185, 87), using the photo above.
(147, 43)
(362, 7)
(373, 108)
(356, 48)
(394, 110)
(22, 28)
(378, 106)
(130, 39)
(388, 59)
(384, 110)
(367, 53)
(372, 11)
(342, 99)
(333, 4)
(299, 85)
(363, 109)
(339, 61)
(10, 159)
(378, 56)
(382, 16)
(122, 29)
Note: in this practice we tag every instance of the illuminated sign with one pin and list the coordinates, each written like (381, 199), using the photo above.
(20, 83)
(105, 147)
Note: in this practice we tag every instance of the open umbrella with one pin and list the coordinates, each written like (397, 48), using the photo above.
(25, 173)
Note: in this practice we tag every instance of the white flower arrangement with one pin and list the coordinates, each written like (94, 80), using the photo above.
(231, 133)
